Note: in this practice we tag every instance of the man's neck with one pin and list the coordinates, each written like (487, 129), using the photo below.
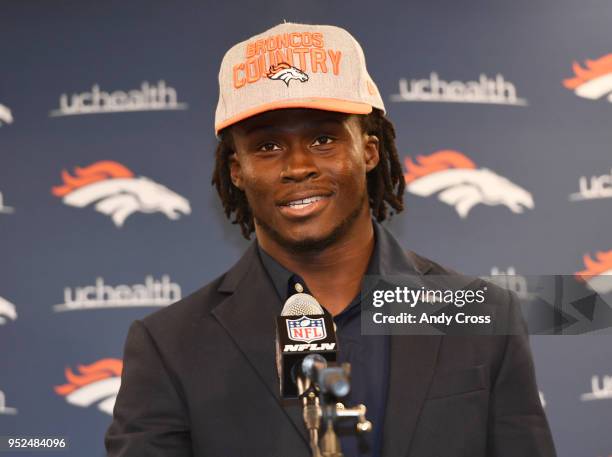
(333, 274)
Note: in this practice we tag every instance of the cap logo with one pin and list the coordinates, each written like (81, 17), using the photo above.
(286, 56)
(285, 72)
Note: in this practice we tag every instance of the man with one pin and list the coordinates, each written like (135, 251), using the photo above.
(307, 161)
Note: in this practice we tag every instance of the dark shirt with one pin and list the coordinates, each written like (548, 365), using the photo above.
(367, 354)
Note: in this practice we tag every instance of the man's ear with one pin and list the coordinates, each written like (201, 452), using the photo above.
(372, 156)
(235, 171)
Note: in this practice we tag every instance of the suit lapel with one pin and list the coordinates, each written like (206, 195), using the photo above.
(412, 364)
(248, 316)
(412, 359)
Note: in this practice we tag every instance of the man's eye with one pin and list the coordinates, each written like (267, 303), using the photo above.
(268, 147)
(321, 140)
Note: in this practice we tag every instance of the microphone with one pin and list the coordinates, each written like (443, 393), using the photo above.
(331, 380)
(302, 329)
(301, 304)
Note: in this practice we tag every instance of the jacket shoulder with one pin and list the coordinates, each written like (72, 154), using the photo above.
(424, 264)
(200, 303)
(496, 294)
(189, 309)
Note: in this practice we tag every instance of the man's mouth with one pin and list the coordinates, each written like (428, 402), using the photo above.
(304, 202)
(303, 207)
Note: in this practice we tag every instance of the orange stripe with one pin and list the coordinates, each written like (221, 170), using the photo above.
(325, 104)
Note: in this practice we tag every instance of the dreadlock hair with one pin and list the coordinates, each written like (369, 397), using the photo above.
(385, 182)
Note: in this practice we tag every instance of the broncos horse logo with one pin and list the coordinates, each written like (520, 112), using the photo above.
(594, 81)
(116, 192)
(286, 73)
(99, 381)
(598, 272)
(7, 311)
(5, 115)
(459, 183)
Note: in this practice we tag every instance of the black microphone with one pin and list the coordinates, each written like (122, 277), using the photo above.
(302, 329)
(332, 380)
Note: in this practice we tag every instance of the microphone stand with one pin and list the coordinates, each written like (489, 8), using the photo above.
(311, 412)
(320, 403)
(332, 413)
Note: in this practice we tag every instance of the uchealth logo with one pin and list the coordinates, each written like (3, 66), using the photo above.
(148, 97)
(6, 116)
(594, 80)
(457, 181)
(601, 389)
(593, 187)
(5, 409)
(510, 280)
(117, 192)
(3, 208)
(98, 382)
(153, 292)
(598, 272)
(487, 90)
(7, 311)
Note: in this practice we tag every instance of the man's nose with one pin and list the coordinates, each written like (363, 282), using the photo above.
(300, 165)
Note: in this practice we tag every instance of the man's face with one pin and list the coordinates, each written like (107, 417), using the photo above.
(304, 174)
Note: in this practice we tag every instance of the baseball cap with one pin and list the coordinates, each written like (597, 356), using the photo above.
(295, 66)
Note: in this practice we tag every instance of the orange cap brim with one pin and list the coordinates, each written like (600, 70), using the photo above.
(325, 104)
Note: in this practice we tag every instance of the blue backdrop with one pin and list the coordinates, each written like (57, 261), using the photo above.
(106, 154)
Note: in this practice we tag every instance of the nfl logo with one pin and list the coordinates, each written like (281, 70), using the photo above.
(306, 329)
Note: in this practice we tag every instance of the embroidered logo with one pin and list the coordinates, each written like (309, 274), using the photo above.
(286, 73)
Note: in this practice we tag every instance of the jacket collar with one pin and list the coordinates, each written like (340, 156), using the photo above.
(247, 314)
(393, 260)
(412, 359)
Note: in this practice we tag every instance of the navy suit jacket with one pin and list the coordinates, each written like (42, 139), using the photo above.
(200, 379)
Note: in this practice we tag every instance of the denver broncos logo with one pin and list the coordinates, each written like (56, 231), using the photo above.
(3, 408)
(286, 73)
(459, 183)
(7, 311)
(98, 382)
(594, 81)
(116, 192)
(598, 272)
(5, 115)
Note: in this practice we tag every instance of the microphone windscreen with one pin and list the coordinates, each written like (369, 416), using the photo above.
(300, 305)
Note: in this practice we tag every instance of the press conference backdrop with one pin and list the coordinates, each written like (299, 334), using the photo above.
(107, 212)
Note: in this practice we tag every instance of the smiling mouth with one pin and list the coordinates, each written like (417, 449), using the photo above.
(302, 208)
(304, 202)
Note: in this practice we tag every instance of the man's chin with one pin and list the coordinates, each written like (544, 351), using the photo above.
(302, 243)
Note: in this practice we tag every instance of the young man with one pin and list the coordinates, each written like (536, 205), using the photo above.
(307, 161)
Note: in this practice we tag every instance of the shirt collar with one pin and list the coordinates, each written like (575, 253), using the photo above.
(279, 275)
